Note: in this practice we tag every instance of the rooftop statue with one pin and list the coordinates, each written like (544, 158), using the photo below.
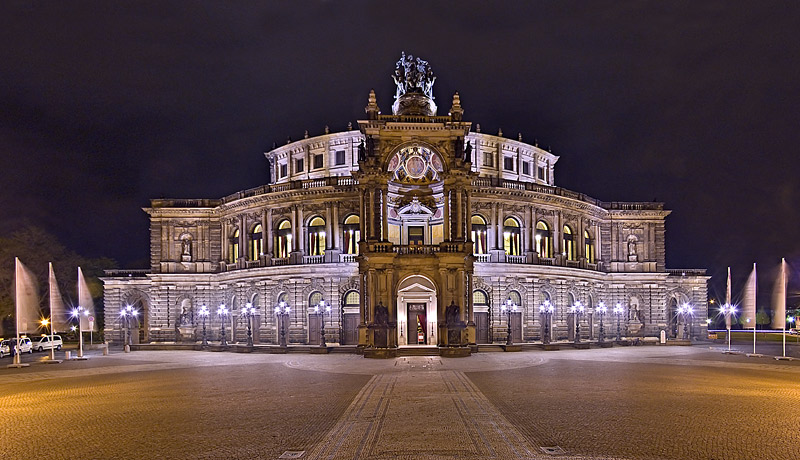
(414, 79)
(413, 75)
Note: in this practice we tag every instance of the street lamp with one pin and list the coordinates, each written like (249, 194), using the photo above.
(249, 311)
(508, 308)
(618, 310)
(76, 313)
(727, 310)
(321, 309)
(281, 312)
(204, 314)
(127, 315)
(602, 309)
(222, 312)
(547, 310)
(685, 311)
(577, 310)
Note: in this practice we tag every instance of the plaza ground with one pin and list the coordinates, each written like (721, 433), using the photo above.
(624, 403)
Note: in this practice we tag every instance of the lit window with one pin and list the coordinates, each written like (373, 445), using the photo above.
(256, 243)
(352, 299)
(511, 237)
(544, 240)
(480, 298)
(283, 239)
(588, 247)
(569, 243)
(352, 234)
(316, 237)
(479, 235)
(233, 246)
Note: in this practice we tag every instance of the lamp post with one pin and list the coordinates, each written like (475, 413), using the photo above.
(602, 310)
(204, 314)
(546, 309)
(222, 312)
(321, 309)
(728, 311)
(791, 320)
(577, 310)
(686, 311)
(281, 312)
(76, 313)
(127, 315)
(249, 311)
(618, 310)
(508, 308)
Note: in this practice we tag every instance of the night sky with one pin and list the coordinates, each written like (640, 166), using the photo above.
(104, 105)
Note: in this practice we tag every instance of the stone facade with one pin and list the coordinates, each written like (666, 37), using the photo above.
(415, 229)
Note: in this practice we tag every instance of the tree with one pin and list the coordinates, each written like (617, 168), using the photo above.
(35, 248)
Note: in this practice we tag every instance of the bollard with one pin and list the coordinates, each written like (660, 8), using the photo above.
(105, 349)
(68, 355)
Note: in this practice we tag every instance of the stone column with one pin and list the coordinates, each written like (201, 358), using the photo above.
(446, 215)
(301, 241)
(328, 226)
(224, 240)
(362, 213)
(499, 227)
(335, 227)
(242, 238)
(268, 232)
(459, 215)
(384, 214)
(468, 206)
(371, 214)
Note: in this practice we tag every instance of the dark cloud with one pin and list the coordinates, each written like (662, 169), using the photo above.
(108, 104)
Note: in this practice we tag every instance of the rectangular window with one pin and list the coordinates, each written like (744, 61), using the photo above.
(508, 163)
(541, 173)
(487, 159)
(317, 161)
(284, 172)
(416, 235)
(526, 168)
(299, 165)
(339, 157)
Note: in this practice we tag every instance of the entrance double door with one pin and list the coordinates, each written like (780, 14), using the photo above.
(417, 324)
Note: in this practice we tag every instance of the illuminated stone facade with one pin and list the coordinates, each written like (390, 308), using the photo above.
(416, 229)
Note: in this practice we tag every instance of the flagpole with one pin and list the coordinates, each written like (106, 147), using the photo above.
(52, 324)
(755, 311)
(80, 322)
(17, 348)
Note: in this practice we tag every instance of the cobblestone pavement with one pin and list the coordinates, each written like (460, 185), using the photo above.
(621, 403)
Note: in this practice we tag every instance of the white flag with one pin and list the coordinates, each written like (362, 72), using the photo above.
(85, 301)
(58, 314)
(26, 298)
(728, 301)
(779, 299)
(749, 301)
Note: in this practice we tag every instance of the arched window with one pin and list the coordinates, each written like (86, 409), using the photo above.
(316, 237)
(352, 299)
(516, 299)
(479, 235)
(314, 299)
(256, 242)
(569, 243)
(480, 298)
(544, 240)
(352, 234)
(233, 246)
(511, 237)
(588, 244)
(283, 298)
(283, 239)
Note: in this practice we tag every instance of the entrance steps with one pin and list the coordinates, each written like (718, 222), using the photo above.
(418, 351)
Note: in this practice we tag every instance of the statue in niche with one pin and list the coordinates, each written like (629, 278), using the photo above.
(381, 315)
(186, 316)
(468, 152)
(186, 249)
(362, 151)
(632, 256)
(451, 313)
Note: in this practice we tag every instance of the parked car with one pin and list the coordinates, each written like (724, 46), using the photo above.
(43, 343)
(7, 346)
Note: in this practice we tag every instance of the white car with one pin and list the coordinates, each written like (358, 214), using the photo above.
(7, 346)
(43, 343)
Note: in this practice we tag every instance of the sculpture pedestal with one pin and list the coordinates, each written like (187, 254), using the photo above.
(186, 334)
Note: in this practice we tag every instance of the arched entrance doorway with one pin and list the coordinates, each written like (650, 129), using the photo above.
(417, 311)
(140, 328)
